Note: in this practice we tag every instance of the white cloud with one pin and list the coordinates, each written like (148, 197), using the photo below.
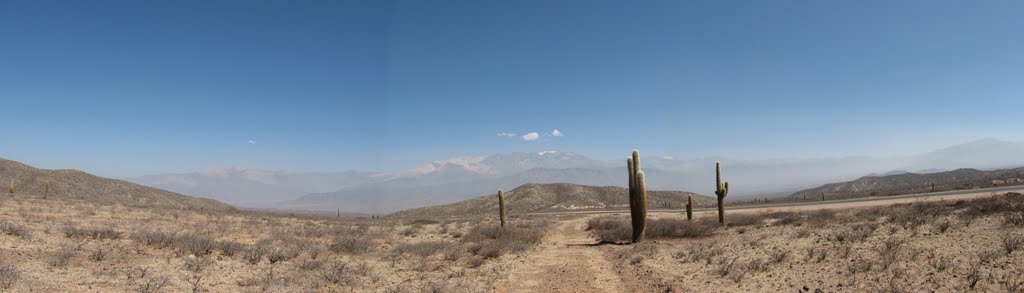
(507, 134)
(531, 136)
(252, 141)
(556, 133)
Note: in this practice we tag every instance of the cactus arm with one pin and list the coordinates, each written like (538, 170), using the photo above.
(501, 207)
(640, 225)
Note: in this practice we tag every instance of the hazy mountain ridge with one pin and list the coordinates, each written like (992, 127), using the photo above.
(28, 180)
(456, 179)
(531, 198)
(254, 187)
(908, 183)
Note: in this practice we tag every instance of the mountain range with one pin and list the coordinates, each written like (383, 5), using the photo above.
(25, 180)
(456, 179)
(908, 183)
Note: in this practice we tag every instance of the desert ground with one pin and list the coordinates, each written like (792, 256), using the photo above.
(933, 244)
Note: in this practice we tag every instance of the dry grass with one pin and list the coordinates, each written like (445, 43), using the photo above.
(617, 229)
(930, 246)
(72, 245)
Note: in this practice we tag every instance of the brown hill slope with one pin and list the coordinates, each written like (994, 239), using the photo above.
(31, 181)
(914, 183)
(530, 198)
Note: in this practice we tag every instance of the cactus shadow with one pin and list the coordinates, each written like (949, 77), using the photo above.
(601, 243)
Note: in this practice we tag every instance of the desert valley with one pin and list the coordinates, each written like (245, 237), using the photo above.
(511, 146)
(63, 230)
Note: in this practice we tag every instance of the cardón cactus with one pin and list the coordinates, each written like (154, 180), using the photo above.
(721, 190)
(501, 207)
(637, 196)
(689, 207)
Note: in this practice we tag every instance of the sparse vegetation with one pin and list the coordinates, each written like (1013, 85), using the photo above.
(1012, 243)
(871, 249)
(14, 230)
(8, 276)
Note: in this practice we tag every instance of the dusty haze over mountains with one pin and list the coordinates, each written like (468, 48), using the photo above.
(456, 179)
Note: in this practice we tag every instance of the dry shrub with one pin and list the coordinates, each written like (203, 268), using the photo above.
(154, 284)
(8, 275)
(973, 275)
(423, 222)
(1012, 243)
(743, 220)
(63, 257)
(704, 252)
(229, 248)
(310, 264)
(253, 254)
(91, 232)
(195, 244)
(888, 252)
(618, 229)
(679, 228)
(351, 244)
(422, 249)
(14, 230)
(513, 238)
(474, 261)
(99, 254)
(778, 256)
(410, 231)
(282, 254)
(942, 226)
(820, 218)
(785, 218)
(610, 228)
(859, 265)
(197, 264)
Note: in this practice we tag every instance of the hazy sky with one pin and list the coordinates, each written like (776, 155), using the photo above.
(124, 88)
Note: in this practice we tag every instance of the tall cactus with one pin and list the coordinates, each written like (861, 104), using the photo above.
(501, 207)
(689, 207)
(722, 189)
(637, 197)
(11, 189)
(46, 190)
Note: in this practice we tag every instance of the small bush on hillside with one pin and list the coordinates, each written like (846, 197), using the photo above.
(14, 230)
(91, 232)
(8, 276)
(351, 244)
(229, 248)
(493, 240)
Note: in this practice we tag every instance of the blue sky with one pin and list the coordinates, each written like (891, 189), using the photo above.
(126, 88)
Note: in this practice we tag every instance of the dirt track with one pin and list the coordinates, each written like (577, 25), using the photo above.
(564, 262)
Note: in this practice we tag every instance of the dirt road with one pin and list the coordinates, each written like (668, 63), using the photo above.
(564, 262)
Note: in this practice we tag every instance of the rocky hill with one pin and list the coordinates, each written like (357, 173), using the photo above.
(30, 181)
(530, 198)
(908, 183)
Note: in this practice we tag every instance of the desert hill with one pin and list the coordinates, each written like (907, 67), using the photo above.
(908, 183)
(31, 181)
(530, 198)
